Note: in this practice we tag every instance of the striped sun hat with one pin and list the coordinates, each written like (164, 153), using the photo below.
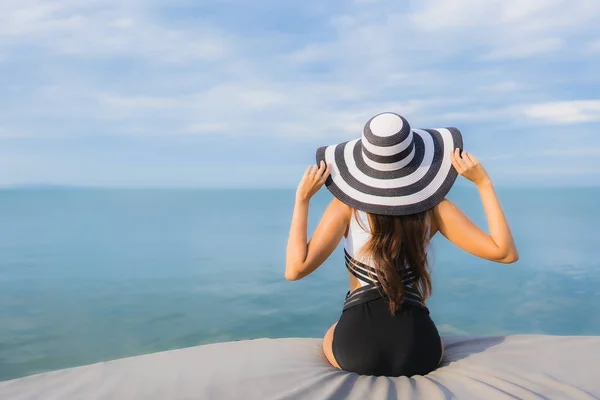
(392, 169)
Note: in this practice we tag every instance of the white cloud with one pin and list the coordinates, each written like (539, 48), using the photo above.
(106, 29)
(501, 87)
(529, 154)
(228, 97)
(5, 133)
(577, 111)
(133, 67)
(497, 157)
(525, 49)
(143, 103)
(32, 16)
(551, 171)
(123, 23)
(374, 56)
(556, 113)
(508, 28)
(477, 115)
(594, 46)
(531, 15)
(12, 133)
(261, 98)
(208, 127)
(309, 54)
(572, 152)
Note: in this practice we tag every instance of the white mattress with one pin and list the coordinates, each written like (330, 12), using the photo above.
(522, 366)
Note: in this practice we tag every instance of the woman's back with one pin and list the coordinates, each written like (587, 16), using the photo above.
(366, 276)
(362, 269)
(355, 240)
(358, 235)
(369, 338)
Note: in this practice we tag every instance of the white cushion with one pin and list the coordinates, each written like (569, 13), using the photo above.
(521, 366)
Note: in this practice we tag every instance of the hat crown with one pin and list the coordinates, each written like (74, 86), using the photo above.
(387, 142)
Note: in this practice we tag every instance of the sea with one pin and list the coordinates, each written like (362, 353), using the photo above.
(88, 275)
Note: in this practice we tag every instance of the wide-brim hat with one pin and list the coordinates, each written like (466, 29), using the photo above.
(392, 169)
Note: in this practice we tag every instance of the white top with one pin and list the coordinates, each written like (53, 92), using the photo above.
(358, 235)
(359, 266)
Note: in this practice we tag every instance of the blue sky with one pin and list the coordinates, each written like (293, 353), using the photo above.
(239, 93)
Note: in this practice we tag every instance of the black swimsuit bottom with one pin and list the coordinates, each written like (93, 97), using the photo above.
(369, 340)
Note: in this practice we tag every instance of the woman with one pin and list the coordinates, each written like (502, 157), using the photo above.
(389, 191)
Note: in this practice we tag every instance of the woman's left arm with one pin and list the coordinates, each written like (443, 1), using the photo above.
(304, 257)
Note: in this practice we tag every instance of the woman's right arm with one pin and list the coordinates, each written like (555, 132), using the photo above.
(498, 245)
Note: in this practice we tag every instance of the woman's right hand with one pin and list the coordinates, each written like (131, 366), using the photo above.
(468, 166)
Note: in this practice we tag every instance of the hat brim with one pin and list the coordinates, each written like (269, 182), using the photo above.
(419, 186)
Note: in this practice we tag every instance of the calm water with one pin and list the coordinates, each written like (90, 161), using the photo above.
(91, 275)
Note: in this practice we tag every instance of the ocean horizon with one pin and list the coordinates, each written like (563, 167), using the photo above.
(93, 274)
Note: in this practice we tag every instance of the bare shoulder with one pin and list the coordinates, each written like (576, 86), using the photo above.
(445, 208)
(339, 214)
(444, 205)
(443, 212)
(339, 208)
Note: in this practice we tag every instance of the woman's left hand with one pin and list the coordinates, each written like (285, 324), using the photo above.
(312, 181)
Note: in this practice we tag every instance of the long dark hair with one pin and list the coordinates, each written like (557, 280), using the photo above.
(398, 243)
